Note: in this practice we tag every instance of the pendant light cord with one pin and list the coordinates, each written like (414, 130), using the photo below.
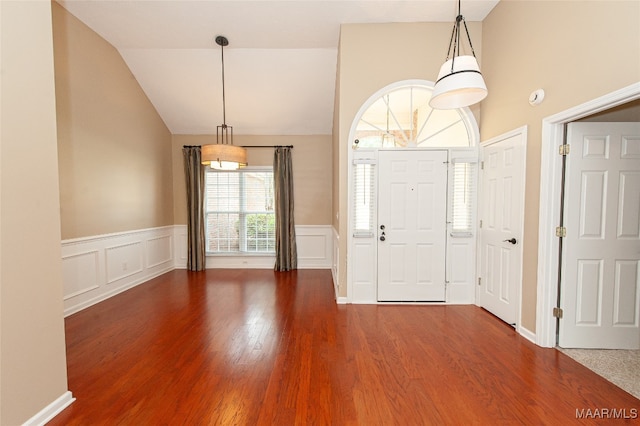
(224, 133)
(455, 38)
(459, 17)
(224, 106)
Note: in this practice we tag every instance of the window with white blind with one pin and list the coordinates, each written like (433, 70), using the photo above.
(463, 196)
(364, 199)
(239, 211)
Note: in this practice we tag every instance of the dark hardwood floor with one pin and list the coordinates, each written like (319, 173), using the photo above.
(257, 347)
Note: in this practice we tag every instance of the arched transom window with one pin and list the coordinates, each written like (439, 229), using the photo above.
(400, 116)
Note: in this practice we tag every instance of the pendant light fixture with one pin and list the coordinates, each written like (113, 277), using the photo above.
(224, 155)
(459, 82)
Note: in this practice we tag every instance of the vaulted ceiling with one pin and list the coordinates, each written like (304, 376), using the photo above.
(280, 64)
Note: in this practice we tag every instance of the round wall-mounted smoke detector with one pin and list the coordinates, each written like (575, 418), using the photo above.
(536, 97)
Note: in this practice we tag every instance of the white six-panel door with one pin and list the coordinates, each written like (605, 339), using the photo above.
(600, 291)
(412, 207)
(502, 216)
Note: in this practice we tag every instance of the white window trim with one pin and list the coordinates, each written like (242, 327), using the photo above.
(236, 254)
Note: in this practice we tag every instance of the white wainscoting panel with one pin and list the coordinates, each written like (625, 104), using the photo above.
(180, 248)
(315, 246)
(124, 260)
(341, 300)
(80, 272)
(159, 250)
(240, 262)
(96, 268)
(336, 257)
(315, 250)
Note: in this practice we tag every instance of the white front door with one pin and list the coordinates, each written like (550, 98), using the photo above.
(502, 224)
(412, 207)
(599, 289)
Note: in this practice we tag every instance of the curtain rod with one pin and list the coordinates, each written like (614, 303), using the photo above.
(247, 146)
(267, 146)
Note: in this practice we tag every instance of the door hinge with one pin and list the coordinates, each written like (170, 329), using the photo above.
(481, 223)
(564, 149)
(479, 281)
(482, 165)
(557, 312)
(561, 231)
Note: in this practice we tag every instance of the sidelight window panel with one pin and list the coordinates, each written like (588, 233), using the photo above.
(364, 178)
(463, 196)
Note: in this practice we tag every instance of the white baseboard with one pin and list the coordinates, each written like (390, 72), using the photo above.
(527, 334)
(51, 410)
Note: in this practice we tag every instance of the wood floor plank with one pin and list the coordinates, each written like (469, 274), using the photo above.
(258, 347)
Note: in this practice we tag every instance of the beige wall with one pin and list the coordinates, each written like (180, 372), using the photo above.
(575, 51)
(335, 152)
(311, 157)
(115, 151)
(372, 56)
(32, 345)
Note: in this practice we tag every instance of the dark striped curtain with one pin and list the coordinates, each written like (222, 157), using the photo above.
(286, 250)
(194, 178)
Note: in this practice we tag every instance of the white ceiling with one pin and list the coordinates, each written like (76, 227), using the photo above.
(280, 65)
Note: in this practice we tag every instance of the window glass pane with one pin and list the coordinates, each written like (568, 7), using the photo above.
(402, 117)
(260, 232)
(464, 189)
(222, 232)
(363, 199)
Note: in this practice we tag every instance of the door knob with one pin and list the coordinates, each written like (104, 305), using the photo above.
(511, 240)
(382, 227)
(382, 238)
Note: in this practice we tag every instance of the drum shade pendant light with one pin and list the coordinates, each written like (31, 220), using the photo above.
(459, 82)
(224, 155)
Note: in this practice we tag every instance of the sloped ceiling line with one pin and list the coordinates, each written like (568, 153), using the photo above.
(280, 65)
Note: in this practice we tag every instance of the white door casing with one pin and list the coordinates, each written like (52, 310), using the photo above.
(553, 134)
(502, 184)
(361, 251)
(412, 199)
(600, 287)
